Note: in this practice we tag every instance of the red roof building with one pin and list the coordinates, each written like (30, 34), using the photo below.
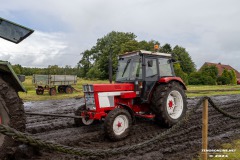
(221, 67)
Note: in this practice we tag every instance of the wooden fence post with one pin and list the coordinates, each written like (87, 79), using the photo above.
(205, 129)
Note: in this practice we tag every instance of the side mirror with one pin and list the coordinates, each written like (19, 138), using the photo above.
(172, 61)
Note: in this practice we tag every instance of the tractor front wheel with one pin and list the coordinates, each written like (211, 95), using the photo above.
(117, 124)
(82, 121)
(169, 103)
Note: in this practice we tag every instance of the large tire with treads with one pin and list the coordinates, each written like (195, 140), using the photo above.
(12, 114)
(169, 103)
(118, 124)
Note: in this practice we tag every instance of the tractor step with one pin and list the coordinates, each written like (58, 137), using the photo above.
(148, 116)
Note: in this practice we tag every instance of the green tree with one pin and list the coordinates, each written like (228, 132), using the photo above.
(131, 45)
(85, 63)
(197, 78)
(111, 45)
(211, 71)
(225, 78)
(53, 69)
(116, 43)
(180, 73)
(94, 72)
(234, 77)
(144, 45)
(67, 70)
(166, 48)
(180, 54)
(148, 46)
(17, 68)
(221, 80)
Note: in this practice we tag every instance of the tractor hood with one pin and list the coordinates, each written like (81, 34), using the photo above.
(6, 69)
(113, 87)
(13, 32)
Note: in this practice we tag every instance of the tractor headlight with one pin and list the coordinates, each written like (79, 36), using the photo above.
(90, 101)
(89, 96)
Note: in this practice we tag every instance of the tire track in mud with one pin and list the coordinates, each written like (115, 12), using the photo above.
(183, 144)
(39, 124)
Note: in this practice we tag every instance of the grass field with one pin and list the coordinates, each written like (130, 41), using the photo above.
(234, 155)
(199, 90)
(192, 91)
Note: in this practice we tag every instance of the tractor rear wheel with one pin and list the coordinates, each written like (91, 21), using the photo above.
(82, 121)
(12, 114)
(169, 103)
(118, 124)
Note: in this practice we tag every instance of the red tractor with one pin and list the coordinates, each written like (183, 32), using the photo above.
(146, 86)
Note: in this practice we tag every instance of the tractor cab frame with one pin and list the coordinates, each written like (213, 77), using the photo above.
(144, 69)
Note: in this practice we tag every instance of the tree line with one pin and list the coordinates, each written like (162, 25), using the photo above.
(94, 63)
(51, 69)
(208, 75)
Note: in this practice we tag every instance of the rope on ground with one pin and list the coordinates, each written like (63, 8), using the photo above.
(220, 110)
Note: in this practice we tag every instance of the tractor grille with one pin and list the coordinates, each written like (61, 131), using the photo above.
(90, 101)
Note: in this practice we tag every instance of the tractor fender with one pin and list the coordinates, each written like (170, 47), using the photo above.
(7, 73)
(129, 110)
(171, 79)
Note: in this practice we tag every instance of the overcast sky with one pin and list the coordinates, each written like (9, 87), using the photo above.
(208, 29)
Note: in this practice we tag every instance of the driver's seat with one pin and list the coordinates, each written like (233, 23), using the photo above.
(149, 72)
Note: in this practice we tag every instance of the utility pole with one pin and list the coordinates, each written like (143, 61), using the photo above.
(110, 66)
(78, 67)
(110, 61)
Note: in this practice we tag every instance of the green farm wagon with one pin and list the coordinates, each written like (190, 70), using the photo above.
(54, 83)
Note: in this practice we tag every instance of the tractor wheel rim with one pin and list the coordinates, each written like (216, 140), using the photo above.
(87, 122)
(4, 119)
(120, 124)
(174, 104)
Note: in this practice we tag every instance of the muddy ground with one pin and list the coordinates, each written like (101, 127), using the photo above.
(183, 144)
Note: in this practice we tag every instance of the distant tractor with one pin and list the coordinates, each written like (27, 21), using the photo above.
(11, 106)
(54, 83)
(146, 86)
